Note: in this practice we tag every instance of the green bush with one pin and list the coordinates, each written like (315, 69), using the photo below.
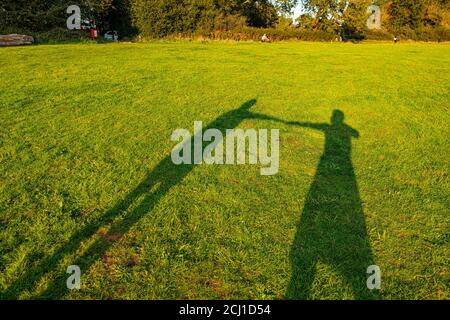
(425, 34)
(229, 22)
(159, 18)
(60, 35)
(378, 35)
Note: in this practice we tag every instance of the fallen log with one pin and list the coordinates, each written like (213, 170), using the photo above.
(15, 40)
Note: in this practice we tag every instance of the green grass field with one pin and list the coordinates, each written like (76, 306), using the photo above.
(86, 177)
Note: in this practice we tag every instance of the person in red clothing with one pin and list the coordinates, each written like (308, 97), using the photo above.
(93, 30)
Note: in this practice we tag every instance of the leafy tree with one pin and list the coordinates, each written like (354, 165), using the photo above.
(284, 23)
(305, 21)
(418, 14)
(112, 14)
(27, 15)
(259, 13)
(285, 6)
(406, 13)
(159, 18)
(162, 17)
(31, 16)
(354, 18)
(327, 13)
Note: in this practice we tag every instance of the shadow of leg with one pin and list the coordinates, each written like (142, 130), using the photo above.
(303, 272)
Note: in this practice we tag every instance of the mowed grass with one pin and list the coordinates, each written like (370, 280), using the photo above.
(84, 177)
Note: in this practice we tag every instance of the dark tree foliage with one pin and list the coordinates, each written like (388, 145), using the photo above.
(152, 17)
(349, 16)
(158, 18)
(33, 16)
(161, 17)
(407, 13)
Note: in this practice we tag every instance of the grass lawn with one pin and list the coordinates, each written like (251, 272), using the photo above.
(86, 177)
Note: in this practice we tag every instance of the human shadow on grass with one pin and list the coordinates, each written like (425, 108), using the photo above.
(158, 182)
(332, 227)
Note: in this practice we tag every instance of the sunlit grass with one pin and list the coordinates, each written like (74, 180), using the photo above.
(81, 126)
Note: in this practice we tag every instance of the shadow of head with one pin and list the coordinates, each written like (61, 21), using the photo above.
(337, 118)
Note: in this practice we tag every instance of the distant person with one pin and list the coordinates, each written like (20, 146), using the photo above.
(395, 39)
(265, 38)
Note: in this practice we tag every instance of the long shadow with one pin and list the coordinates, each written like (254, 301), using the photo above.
(332, 227)
(158, 182)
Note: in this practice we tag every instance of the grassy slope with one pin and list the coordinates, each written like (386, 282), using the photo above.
(83, 125)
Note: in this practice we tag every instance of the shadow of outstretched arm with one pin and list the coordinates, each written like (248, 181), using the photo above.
(316, 126)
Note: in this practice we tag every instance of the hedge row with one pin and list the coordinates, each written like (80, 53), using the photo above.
(425, 34)
(255, 34)
(438, 35)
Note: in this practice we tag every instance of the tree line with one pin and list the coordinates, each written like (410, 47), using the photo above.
(398, 16)
(159, 18)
